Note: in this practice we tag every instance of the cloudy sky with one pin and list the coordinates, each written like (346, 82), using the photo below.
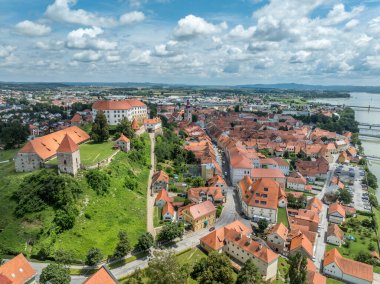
(191, 41)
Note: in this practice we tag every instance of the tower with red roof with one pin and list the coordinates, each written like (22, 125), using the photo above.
(68, 156)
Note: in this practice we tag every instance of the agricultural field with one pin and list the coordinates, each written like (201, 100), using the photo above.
(100, 217)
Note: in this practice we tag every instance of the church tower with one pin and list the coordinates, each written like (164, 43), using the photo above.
(188, 116)
(68, 156)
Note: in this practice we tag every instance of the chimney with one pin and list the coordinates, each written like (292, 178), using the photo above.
(248, 242)
(240, 236)
(259, 247)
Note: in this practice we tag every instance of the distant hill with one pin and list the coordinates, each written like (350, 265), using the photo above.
(303, 87)
(30, 86)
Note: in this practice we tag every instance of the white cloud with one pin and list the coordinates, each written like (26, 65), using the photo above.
(374, 25)
(318, 44)
(50, 45)
(300, 56)
(363, 40)
(373, 61)
(351, 24)
(61, 11)
(87, 39)
(6, 51)
(140, 57)
(30, 28)
(192, 26)
(166, 50)
(338, 14)
(87, 56)
(241, 33)
(131, 17)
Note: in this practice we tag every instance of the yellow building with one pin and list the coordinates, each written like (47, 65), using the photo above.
(200, 215)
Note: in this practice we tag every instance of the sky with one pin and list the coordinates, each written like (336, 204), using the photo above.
(215, 42)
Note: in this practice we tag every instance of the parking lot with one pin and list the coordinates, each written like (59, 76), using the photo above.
(353, 176)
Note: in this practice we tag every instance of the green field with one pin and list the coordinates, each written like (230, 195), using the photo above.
(99, 221)
(282, 217)
(91, 153)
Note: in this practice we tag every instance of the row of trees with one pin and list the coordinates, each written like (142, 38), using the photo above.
(13, 134)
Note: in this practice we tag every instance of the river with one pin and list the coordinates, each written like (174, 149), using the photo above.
(371, 145)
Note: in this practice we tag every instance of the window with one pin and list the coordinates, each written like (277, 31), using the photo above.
(265, 189)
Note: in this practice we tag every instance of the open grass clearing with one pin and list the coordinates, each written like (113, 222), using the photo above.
(92, 153)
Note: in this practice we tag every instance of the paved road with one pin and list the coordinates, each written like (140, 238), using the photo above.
(150, 196)
(320, 242)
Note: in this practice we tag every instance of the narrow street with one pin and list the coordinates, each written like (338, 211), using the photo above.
(150, 196)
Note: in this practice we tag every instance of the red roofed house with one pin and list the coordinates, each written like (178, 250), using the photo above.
(168, 212)
(123, 143)
(200, 216)
(301, 243)
(115, 111)
(17, 271)
(162, 198)
(336, 213)
(153, 125)
(76, 120)
(68, 156)
(160, 180)
(261, 199)
(296, 181)
(335, 235)
(235, 240)
(37, 151)
(347, 270)
(102, 276)
(274, 174)
(313, 276)
(217, 181)
(200, 194)
(276, 237)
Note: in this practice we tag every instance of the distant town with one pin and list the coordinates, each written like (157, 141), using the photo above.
(152, 184)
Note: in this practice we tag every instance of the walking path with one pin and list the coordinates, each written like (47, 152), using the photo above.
(150, 195)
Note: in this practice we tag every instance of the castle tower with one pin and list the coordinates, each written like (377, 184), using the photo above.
(188, 116)
(68, 156)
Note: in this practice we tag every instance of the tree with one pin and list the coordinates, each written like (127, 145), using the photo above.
(169, 232)
(98, 180)
(100, 128)
(364, 257)
(297, 269)
(94, 256)
(344, 196)
(263, 224)
(216, 269)
(194, 118)
(63, 257)
(125, 127)
(55, 274)
(237, 108)
(145, 242)
(65, 218)
(123, 247)
(249, 274)
(164, 268)
(13, 134)
(198, 182)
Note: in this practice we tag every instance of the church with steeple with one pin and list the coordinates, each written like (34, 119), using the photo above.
(188, 114)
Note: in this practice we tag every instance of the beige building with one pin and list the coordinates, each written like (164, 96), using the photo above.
(236, 241)
(68, 156)
(123, 143)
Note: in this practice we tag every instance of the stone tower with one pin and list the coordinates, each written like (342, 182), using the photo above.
(188, 116)
(68, 156)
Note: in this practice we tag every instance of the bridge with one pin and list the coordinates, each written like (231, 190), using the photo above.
(369, 107)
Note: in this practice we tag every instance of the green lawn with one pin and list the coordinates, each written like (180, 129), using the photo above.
(191, 256)
(282, 217)
(333, 281)
(91, 153)
(157, 216)
(98, 223)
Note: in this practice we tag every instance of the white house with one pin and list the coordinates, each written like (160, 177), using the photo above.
(347, 270)
(335, 235)
(115, 111)
(336, 213)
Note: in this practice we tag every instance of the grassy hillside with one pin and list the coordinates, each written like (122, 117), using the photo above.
(100, 218)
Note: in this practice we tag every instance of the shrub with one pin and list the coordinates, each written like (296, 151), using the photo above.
(98, 180)
(94, 256)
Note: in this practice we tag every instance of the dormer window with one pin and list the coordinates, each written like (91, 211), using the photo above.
(265, 189)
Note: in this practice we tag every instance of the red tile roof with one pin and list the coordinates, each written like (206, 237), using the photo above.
(336, 207)
(76, 118)
(163, 195)
(301, 241)
(117, 105)
(102, 276)
(168, 208)
(135, 125)
(348, 266)
(264, 192)
(46, 146)
(267, 173)
(160, 176)
(123, 138)
(67, 145)
(334, 230)
(196, 192)
(17, 271)
(199, 210)
(279, 229)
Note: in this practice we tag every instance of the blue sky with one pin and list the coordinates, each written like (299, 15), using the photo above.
(191, 41)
